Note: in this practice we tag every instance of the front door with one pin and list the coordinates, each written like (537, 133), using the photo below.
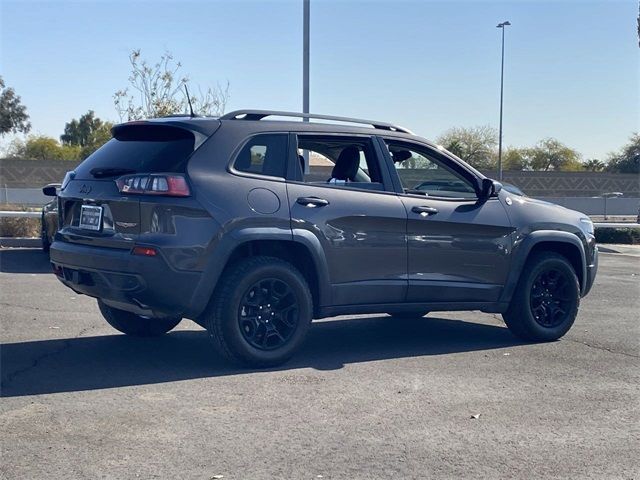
(358, 223)
(458, 247)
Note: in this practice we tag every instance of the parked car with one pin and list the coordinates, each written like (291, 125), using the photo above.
(49, 217)
(214, 220)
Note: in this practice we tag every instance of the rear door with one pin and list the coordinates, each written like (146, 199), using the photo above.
(96, 205)
(359, 224)
(458, 247)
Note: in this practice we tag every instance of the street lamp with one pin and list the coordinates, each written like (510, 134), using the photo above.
(610, 195)
(501, 25)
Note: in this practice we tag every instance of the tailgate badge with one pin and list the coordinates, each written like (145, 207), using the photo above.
(85, 189)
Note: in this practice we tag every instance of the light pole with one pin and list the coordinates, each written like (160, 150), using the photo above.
(501, 25)
(610, 195)
(305, 57)
(305, 70)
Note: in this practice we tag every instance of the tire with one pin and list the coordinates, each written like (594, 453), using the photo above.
(407, 315)
(136, 325)
(255, 298)
(540, 311)
(44, 235)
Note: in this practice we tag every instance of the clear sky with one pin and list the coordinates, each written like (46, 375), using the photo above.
(572, 67)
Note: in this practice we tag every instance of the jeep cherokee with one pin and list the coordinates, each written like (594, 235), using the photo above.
(252, 227)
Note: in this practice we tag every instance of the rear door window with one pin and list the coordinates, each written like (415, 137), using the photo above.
(142, 149)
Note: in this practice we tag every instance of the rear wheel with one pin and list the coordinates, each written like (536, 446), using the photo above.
(136, 325)
(545, 303)
(260, 312)
(408, 315)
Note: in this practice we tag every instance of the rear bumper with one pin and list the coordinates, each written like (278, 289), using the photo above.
(144, 285)
(591, 273)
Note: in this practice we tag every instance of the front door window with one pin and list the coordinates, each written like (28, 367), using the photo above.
(422, 174)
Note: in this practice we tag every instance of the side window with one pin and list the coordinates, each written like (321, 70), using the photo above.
(342, 162)
(264, 154)
(422, 173)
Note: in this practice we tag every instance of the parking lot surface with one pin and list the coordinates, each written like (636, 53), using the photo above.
(452, 395)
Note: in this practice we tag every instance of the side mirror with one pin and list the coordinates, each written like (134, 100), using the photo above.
(51, 190)
(489, 188)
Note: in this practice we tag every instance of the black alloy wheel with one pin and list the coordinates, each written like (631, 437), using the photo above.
(546, 299)
(550, 301)
(260, 312)
(268, 314)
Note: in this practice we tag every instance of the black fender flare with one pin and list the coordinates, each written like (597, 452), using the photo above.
(522, 249)
(221, 251)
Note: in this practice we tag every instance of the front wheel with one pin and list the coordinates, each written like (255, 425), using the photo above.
(545, 303)
(136, 325)
(260, 312)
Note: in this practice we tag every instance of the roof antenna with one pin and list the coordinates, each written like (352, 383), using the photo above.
(189, 100)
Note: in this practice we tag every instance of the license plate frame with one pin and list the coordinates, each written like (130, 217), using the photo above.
(91, 217)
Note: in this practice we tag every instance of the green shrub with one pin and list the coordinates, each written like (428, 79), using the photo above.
(618, 235)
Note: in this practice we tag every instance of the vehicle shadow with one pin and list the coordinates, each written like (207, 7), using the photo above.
(24, 260)
(88, 363)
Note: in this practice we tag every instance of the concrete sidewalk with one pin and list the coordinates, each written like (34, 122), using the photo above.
(20, 242)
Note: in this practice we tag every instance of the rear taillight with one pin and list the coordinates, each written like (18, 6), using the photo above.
(144, 251)
(154, 184)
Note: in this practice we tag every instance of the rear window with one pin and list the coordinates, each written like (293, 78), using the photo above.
(144, 149)
(264, 154)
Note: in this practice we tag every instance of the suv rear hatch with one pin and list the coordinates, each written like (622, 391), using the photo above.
(99, 203)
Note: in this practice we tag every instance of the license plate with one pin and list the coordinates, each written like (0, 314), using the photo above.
(90, 217)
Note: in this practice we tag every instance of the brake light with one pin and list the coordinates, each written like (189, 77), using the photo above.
(154, 184)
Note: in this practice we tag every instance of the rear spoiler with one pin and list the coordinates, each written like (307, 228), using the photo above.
(200, 132)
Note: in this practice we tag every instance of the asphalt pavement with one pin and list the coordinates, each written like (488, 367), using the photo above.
(452, 395)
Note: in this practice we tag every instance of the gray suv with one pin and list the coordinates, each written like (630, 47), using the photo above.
(252, 227)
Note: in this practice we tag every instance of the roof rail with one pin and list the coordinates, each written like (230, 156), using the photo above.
(260, 114)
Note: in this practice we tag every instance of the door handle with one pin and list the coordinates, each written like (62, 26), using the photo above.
(312, 202)
(424, 210)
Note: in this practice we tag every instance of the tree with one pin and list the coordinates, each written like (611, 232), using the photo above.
(13, 115)
(80, 132)
(88, 132)
(476, 145)
(159, 90)
(551, 154)
(99, 137)
(594, 165)
(516, 159)
(40, 147)
(628, 159)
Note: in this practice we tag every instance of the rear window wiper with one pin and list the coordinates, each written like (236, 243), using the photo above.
(110, 172)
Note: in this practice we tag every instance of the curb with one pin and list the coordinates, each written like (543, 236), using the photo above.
(21, 242)
(619, 249)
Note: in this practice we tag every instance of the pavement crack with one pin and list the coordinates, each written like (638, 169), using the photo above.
(36, 361)
(604, 349)
(39, 359)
